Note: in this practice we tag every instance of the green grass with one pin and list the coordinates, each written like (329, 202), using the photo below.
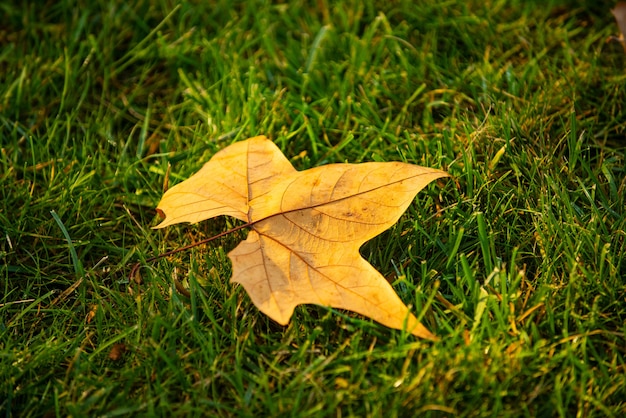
(521, 253)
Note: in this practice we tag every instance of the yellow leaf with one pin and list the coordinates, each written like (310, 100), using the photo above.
(307, 227)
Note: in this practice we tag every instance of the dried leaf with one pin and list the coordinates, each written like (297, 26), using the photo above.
(307, 227)
(117, 351)
(91, 314)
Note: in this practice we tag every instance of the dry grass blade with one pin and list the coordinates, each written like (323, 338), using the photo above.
(619, 12)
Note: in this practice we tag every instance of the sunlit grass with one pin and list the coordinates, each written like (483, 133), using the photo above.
(516, 262)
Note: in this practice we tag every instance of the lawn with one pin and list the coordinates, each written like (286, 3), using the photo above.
(517, 262)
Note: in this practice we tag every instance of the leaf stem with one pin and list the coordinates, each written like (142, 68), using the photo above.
(187, 247)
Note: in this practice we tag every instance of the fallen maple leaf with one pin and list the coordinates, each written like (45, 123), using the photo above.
(307, 227)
